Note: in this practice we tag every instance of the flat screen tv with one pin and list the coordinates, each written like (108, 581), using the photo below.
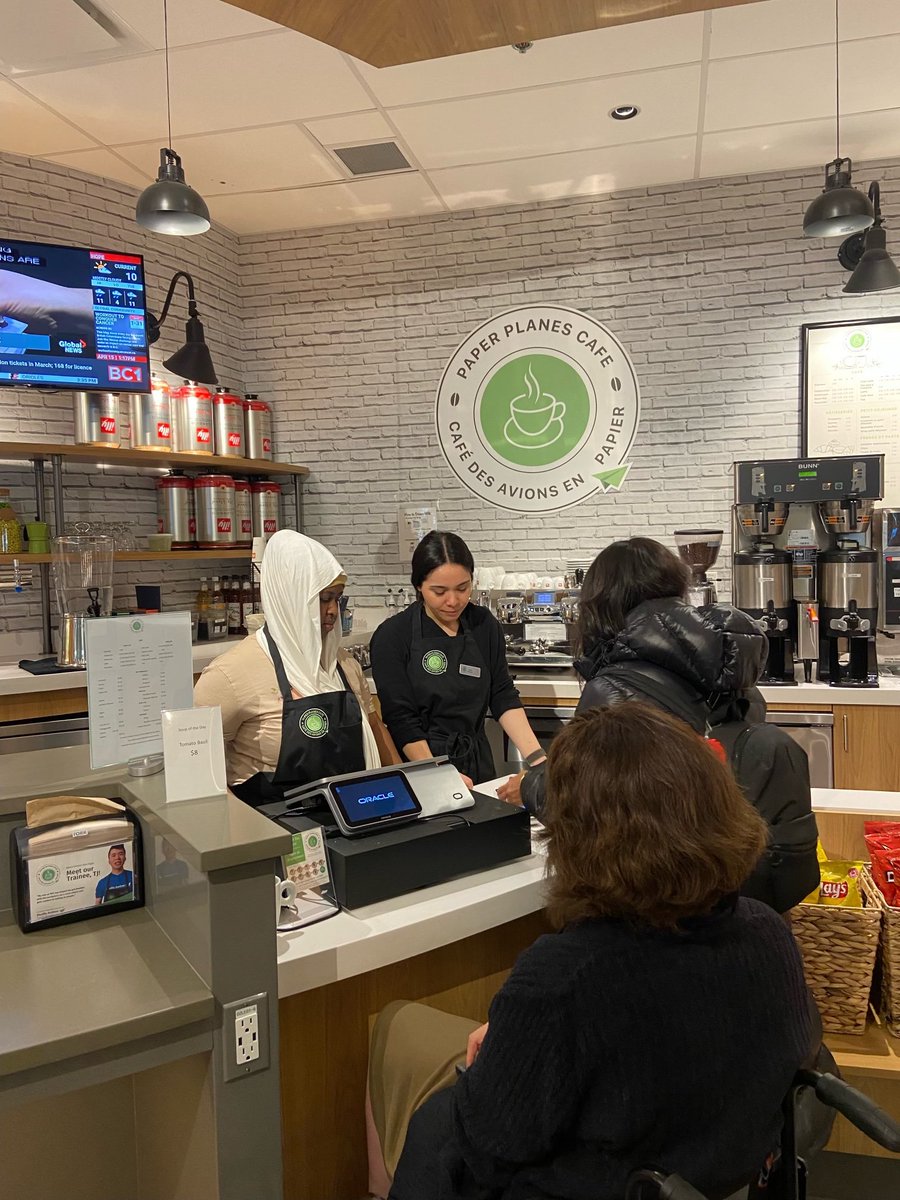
(72, 318)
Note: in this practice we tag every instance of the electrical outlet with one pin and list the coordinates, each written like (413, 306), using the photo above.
(245, 1036)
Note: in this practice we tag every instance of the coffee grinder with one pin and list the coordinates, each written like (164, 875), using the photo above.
(842, 491)
(699, 548)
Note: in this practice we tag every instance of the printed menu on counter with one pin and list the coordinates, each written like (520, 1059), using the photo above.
(852, 394)
(136, 667)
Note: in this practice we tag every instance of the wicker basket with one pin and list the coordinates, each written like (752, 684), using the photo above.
(839, 946)
(889, 953)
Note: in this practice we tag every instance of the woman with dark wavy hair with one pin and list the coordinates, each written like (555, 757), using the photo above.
(660, 1026)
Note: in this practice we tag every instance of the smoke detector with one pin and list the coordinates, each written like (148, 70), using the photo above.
(522, 47)
(374, 158)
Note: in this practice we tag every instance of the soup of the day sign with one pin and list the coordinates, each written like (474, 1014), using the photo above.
(537, 409)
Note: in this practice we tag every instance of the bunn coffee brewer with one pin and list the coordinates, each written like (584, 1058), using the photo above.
(699, 548)
(829, 504)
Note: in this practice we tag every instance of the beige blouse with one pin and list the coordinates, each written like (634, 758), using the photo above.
(242, 683)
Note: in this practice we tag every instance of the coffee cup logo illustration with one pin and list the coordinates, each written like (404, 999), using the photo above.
(537, 409)
(314, 723)
(435, 662)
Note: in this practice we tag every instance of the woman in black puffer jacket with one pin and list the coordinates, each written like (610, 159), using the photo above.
(641, 640)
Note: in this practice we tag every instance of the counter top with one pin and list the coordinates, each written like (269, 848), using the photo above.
(353, 943)
(83, 988)
(211, 834)
(13, 680)
(549, 686)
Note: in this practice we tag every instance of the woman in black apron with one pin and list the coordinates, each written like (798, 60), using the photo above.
(440, 668)
(289, 714)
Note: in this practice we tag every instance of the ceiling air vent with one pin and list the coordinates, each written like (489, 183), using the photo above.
(373, 159)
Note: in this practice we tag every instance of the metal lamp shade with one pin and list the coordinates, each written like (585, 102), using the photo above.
(876, 271)
(840, 209)
(193, 361)
(170, 205)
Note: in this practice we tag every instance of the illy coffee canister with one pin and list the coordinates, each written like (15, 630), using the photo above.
(175, 510)
(192, 421)
(257, 428)
(214, 505)
(243, 514)
(96, 418)
(265, 497)
(151, 418)
(228, 423)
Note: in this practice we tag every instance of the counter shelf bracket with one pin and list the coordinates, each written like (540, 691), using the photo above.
(298, 502)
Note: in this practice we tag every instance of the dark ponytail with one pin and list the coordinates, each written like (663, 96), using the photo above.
(436, 549)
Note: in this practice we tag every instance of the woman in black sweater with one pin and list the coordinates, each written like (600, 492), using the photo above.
(661, 1026)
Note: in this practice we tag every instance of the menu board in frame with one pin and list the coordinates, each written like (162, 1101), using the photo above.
(851, 393)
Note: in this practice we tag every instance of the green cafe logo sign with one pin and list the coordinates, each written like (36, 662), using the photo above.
(537, 409)
(435, 662)
(314, 723)
(48, 875)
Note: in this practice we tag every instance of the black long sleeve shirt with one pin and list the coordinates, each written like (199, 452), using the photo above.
(390, 652)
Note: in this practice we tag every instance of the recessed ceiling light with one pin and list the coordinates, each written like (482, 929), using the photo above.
(624, 112)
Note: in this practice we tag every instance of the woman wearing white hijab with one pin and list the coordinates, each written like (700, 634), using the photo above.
(295, 707)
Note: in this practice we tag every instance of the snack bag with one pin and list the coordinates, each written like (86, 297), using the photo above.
(839, 885)
(883, 843)
(813, 897)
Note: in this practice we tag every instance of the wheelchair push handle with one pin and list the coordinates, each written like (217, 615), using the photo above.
(653, 1185)
(859, 1110)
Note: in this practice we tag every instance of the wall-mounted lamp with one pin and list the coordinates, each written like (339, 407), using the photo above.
(193, 361)
(865, 254)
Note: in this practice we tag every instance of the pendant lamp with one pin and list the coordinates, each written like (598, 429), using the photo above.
(841, 208)
(875, 270)
(170, 206)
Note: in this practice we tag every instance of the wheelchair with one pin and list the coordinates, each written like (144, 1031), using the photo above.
(787, 1180)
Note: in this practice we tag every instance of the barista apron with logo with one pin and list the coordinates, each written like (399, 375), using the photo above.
(320, 736)
(451, 686)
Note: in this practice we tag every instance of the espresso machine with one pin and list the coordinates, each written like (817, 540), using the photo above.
(886, 535)
(699, 548)
(818, 513)
(537, 626)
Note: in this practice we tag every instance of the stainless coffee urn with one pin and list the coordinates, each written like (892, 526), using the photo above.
(762, 589)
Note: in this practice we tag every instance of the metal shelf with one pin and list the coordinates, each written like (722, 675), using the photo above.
(26, 560)
(110, 457)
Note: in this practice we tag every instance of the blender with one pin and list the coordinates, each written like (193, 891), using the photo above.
(83, 577)
(699, 548)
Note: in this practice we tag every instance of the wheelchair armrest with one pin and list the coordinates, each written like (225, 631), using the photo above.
(859, 1110)
(668, 1187)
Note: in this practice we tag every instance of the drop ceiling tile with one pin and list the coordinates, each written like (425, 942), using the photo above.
(551, 120)
(107, 165)
(871, 135)
(332, 204)
(597, 52)
(26, 127)
(190, 21)
(122, 101)
(774, 25)
(260, 81)
(357, 127)
(44, 29)
(278, 156)
(794, 85)
(771, 148)
(586, 173)
(869, 76)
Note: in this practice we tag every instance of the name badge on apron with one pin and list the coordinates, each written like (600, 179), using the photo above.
(472, 672)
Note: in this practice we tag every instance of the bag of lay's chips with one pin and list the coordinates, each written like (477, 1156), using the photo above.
(839, 885)
(883, 844)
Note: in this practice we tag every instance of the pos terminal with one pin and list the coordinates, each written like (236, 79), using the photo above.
(392, 830)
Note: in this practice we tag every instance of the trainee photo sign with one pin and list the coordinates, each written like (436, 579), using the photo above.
(537, 409)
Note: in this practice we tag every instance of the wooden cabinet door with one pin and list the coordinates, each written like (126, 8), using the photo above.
(867, 747)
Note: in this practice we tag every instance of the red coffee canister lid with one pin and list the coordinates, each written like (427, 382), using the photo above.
(251, 404)
(223, 396)
(265, 485)
(175, 481)
(224, 481)
(242, 485)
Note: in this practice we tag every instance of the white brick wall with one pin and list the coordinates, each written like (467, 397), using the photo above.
(347, 332)
(705, 283)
